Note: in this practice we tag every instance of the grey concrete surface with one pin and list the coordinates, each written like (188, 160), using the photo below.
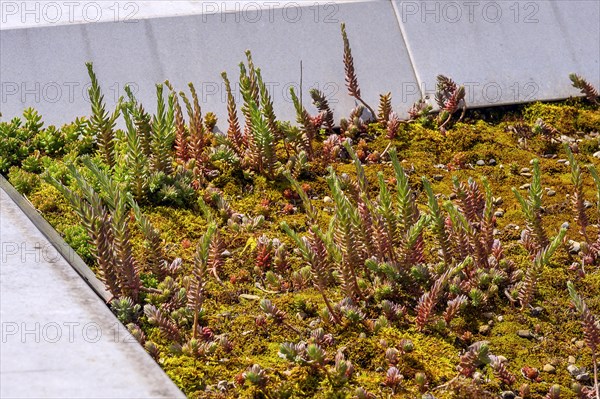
(504, 52)
(59, 340)
(43, 67)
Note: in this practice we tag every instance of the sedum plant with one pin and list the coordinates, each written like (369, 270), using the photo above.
(591, 330)
(450, 98)
(351, 78)
(586, 88)
(320, 101)
(257, 145)
(534, 237)
(101, 124)
(529, 284)
(105, 218)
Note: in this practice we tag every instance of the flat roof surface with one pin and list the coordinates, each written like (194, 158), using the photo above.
(59, 339)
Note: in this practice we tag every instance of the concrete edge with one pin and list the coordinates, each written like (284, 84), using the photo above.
(68, 253)
(273, 4)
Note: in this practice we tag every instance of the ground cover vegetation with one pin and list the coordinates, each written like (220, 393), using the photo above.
(451, 255)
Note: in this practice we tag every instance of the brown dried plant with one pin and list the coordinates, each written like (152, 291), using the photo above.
(351, 78)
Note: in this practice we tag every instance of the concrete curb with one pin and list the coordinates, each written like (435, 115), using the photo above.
(57, 241)
(59, 339)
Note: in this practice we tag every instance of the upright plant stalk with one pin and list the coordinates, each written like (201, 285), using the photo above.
(198, 283)
(101, 124)
(351, 79)
(347, 224)
(591, 330)
(385, 108)
(586, 88)
(234, 133)
(260, 138)
(156, 256)
(320, 101)
(266, 104)
(429, 300)
(181, 133)
(309, 132)
(198, 140)
(528, 288)
(142, 121)
(162, 127)
(532, 209)
(577, 198)
(438, 223)
(314, 252)
(135, 158)
(595, 247)
(114, 196)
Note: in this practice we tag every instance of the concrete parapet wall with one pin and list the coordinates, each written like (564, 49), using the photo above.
(504, 52)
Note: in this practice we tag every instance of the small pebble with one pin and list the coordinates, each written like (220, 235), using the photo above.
(525, 186)
(484, 329)
(226, 254)
(481, 162)
(492, 162)
(596, 154)
(497, 201)
(501, 318)
(565, 225)
(551, 193)
(438, 177)
(507, 395)
(502, 359)
(250, 297)
(327, 200)
(571, 360)
(580, 344)
(526, 174)
(573, 370)
(525, 334)
(525, 170)
(499, 213)
(575, 248)
(550, 369)
(587, 204)
(566, 139)
(561, 161)
(536, 311)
